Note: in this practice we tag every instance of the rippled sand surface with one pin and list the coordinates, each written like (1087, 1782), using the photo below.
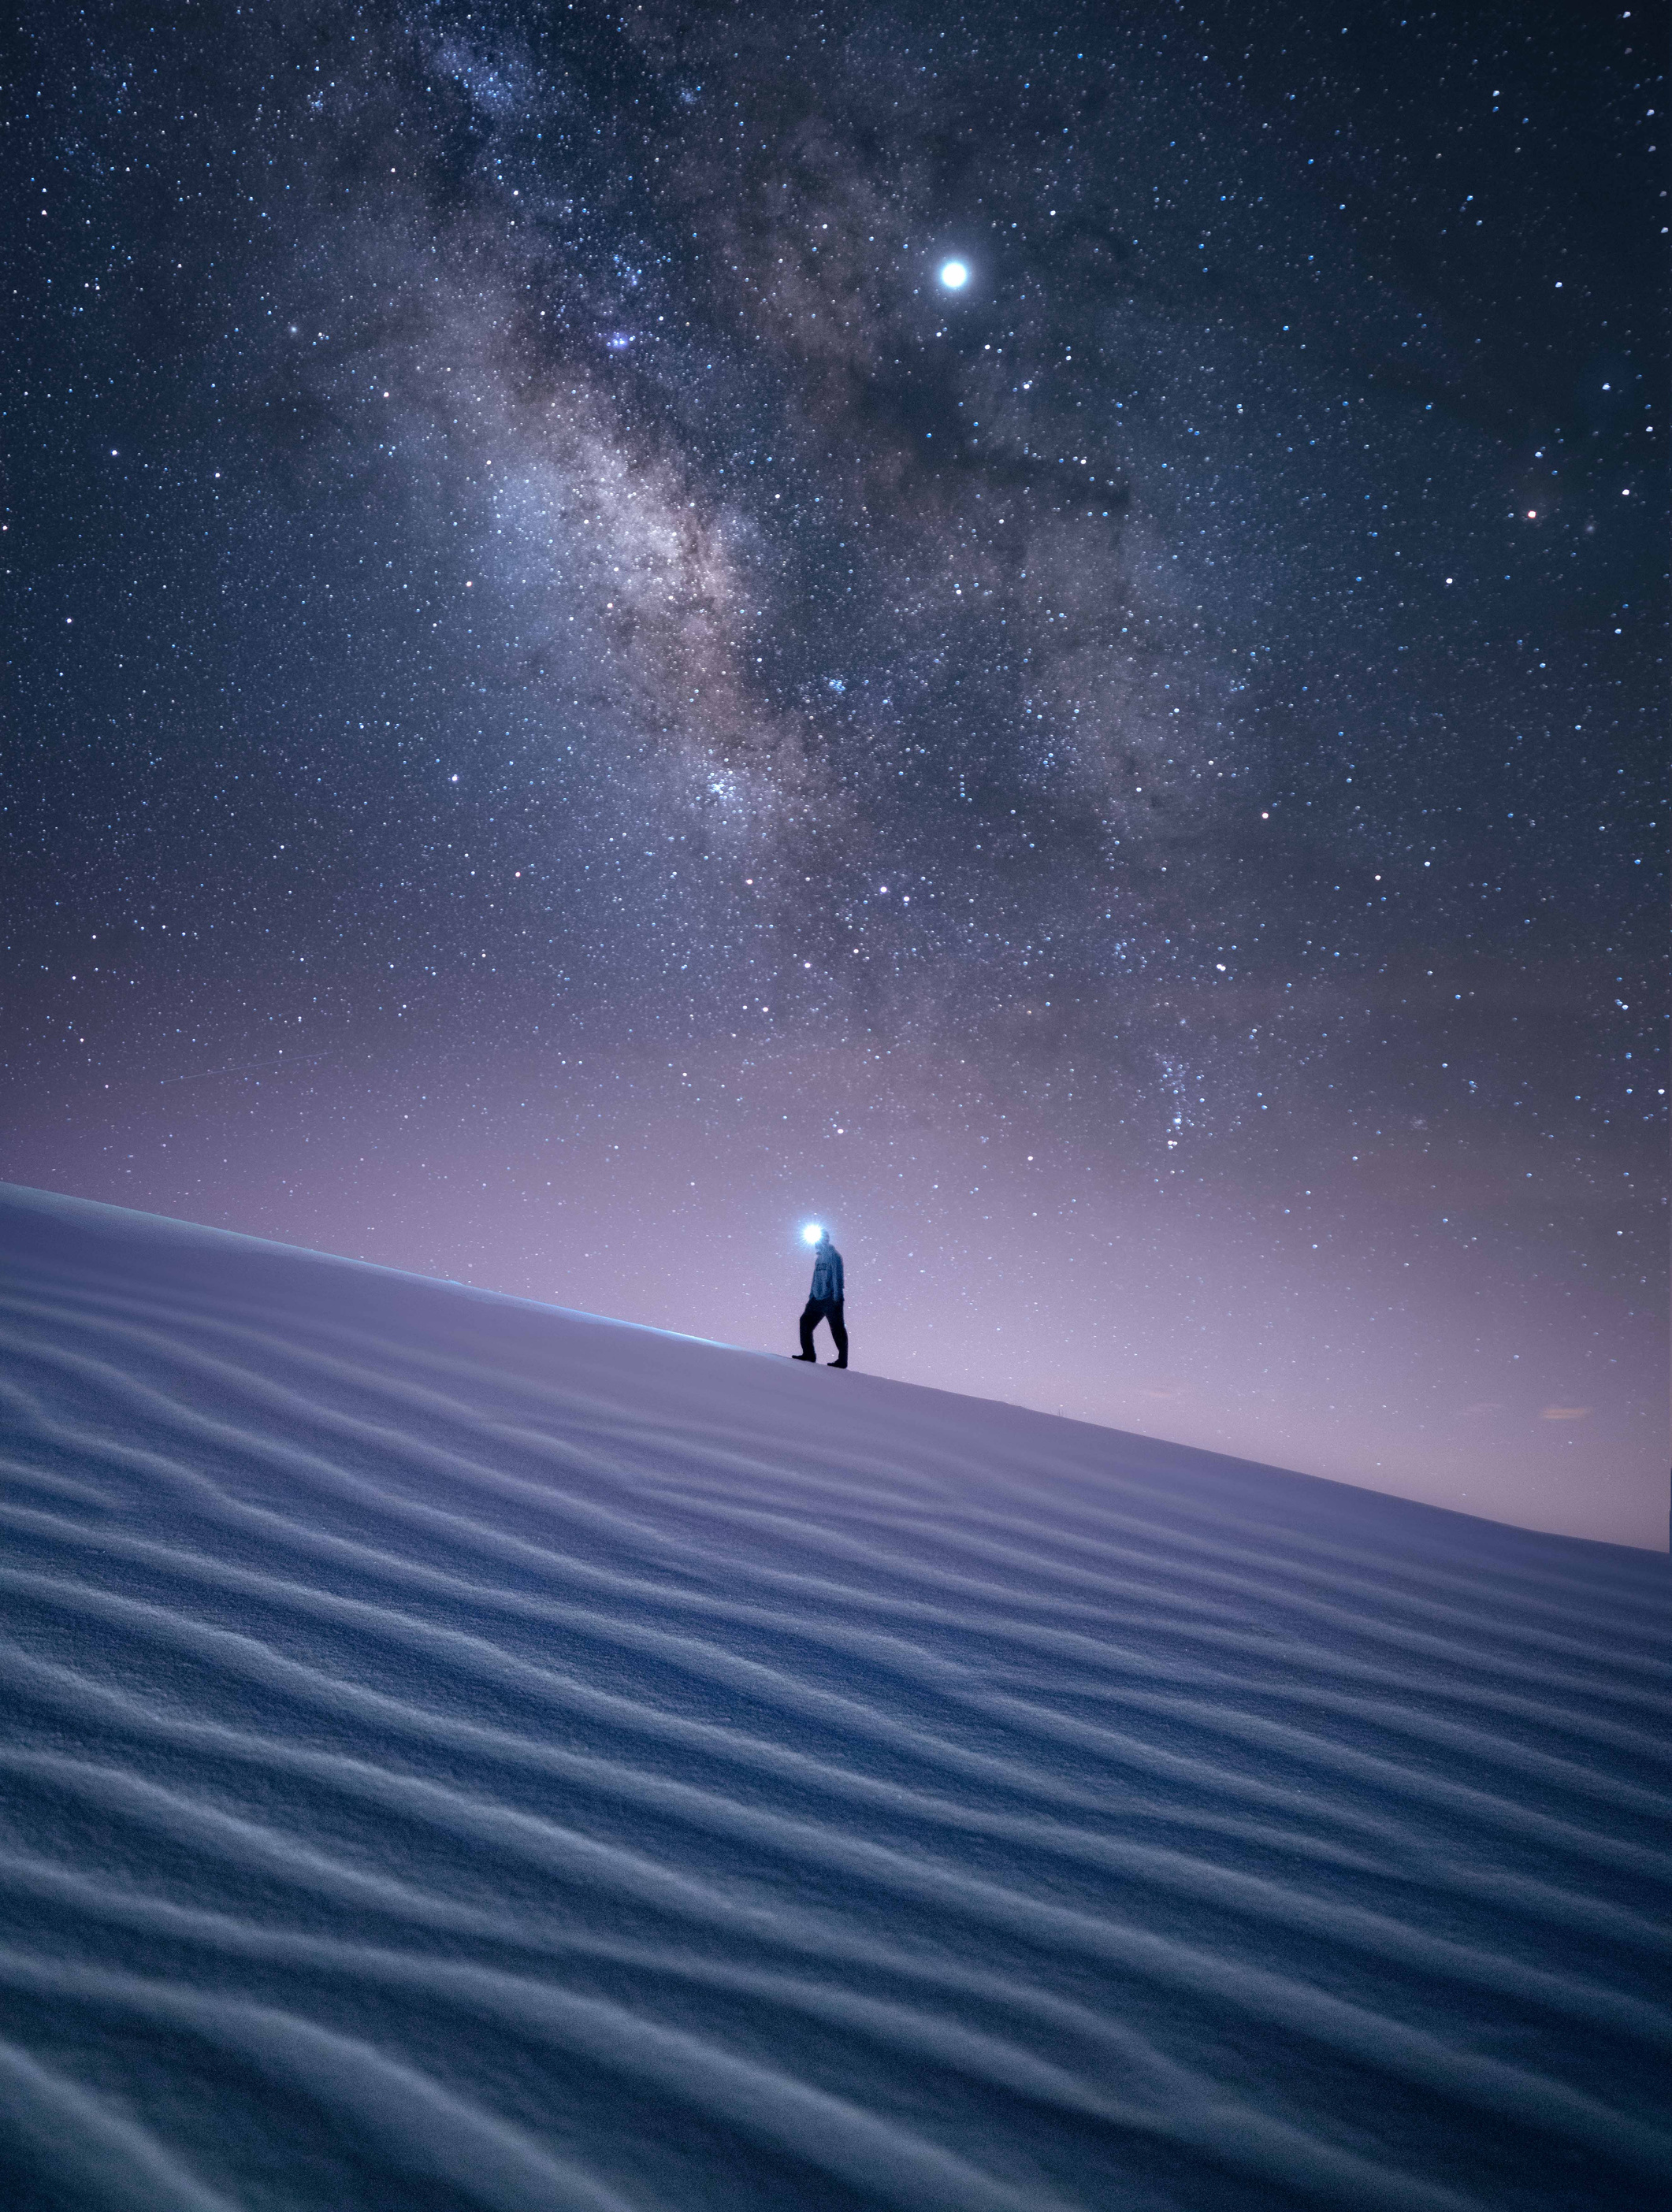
(455, 1752)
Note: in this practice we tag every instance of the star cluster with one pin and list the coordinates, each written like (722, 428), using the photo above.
(1043, 639)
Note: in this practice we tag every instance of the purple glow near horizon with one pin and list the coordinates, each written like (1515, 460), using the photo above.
(584, 706)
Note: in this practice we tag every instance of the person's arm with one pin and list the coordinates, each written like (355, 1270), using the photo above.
(840, 1290)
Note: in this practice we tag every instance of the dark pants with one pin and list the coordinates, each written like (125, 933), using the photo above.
(829, 1309)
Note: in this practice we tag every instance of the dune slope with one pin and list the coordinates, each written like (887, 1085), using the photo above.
(455, 1752)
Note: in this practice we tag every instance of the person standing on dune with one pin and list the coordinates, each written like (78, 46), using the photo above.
(824, 1299)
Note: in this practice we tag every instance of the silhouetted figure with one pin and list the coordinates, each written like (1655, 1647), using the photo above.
(824, 1301)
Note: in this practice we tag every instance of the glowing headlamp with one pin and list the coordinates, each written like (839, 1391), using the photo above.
(812, 1233)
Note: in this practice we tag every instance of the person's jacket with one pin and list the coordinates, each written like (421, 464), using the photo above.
(826, 1273)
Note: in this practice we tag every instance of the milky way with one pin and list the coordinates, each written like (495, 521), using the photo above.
(579, 703)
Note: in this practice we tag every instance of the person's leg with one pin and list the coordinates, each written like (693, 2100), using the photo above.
(839, 1330)
(810, 1314)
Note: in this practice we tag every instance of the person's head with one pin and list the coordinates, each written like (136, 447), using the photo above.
(816, 1235)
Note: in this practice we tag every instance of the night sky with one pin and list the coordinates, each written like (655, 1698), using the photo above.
(572, 705)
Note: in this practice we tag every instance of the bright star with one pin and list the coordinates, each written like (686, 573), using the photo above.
(954, 275)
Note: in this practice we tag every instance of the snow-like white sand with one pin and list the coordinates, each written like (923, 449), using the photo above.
(455, 1752)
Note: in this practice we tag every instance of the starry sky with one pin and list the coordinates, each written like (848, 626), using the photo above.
(573, 705)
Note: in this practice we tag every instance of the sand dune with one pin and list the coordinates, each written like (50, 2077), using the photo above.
(455, 1752)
